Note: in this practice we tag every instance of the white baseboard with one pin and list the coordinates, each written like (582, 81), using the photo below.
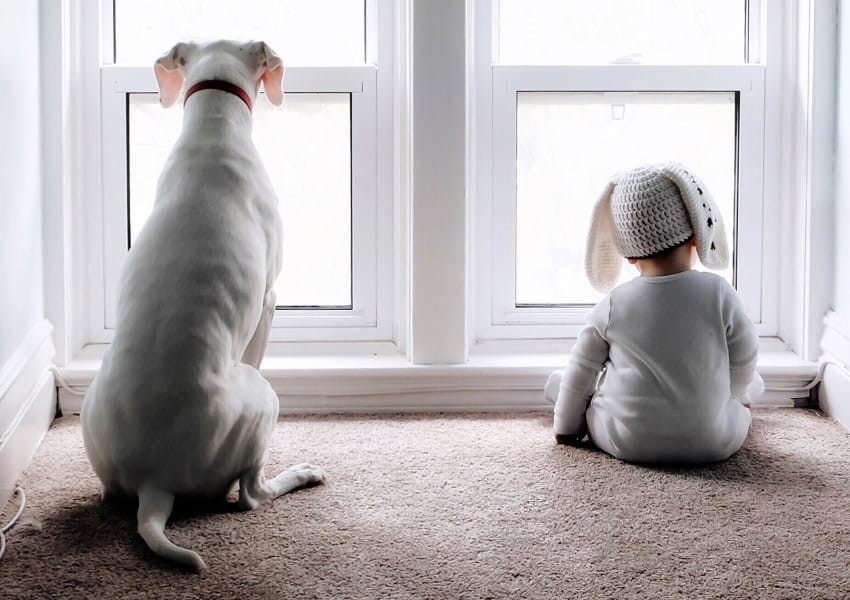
(834, 392)
(391, 384)
(27, 404)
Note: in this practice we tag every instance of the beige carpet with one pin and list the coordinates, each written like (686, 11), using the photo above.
(463, 506)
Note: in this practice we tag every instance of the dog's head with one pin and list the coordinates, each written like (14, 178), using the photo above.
(245, 65)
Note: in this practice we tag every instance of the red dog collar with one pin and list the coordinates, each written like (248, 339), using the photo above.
(224, 86)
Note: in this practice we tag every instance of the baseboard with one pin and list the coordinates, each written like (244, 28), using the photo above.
(834, 392)
(391, 384)
(390, 388)
(27, 404)
(469, 388)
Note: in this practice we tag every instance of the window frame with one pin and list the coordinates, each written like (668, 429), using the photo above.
(371, 316)
(494, 97)
(431, 363)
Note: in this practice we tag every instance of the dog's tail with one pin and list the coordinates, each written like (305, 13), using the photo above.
(154, 510)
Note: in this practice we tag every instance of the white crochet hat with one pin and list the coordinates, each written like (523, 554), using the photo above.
(646, 211)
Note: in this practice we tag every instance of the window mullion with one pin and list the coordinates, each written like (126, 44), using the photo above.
(438, 228)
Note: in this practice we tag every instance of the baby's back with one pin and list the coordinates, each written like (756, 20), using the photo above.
(665, 394)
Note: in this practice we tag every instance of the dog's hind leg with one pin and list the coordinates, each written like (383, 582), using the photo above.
(257, 408)
(255, 490)
(154, 510)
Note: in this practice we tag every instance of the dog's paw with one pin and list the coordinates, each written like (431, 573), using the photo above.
(308, 474)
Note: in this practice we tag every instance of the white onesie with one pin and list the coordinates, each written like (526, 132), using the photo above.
(679, 357)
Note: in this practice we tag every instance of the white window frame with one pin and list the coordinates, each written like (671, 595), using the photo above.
(494, 89)
(370, 89)
(435, 361)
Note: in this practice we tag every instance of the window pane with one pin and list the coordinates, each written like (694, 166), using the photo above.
(303, 32)
(568, 147)
(602, 31)
(306, 147)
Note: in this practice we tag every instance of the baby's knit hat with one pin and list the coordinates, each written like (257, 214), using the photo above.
(646, 211)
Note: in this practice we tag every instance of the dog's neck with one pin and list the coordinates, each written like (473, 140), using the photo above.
(220, 85)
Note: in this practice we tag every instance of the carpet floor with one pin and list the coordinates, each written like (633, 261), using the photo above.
(462, 506)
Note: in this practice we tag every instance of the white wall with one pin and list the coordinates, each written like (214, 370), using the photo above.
(834, 396)
(841, 302)
(21, 287)
(27, 389)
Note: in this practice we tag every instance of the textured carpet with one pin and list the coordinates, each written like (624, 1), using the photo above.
(463, 506)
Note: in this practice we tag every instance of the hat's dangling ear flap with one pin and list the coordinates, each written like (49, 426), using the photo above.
(706, 220)
(602, 259)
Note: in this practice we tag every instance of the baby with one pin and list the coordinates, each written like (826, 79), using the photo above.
(676, 352)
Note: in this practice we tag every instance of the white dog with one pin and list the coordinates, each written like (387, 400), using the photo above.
(179, 407)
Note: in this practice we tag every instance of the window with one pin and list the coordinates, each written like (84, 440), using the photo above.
(568, 142)
(323, 149)
(429, 276)
(314, 33)
(562, 94)
(599, 32)
(307, 147)
(569, 92)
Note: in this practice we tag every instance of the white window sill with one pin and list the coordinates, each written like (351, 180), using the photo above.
(381, 382)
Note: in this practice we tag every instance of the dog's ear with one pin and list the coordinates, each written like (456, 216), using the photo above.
(169, 73)
(271, 72)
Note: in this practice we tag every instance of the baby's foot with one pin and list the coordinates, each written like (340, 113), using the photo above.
(553, 385)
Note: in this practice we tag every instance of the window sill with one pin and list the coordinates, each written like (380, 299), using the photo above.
(381, 382)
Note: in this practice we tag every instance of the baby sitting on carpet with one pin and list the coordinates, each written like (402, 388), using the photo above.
(676, 352)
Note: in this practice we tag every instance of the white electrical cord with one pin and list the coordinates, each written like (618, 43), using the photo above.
(829, 362)
(20, 491)
(64, 384)
(822, 365)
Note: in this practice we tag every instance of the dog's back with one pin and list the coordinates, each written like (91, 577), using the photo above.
(205, 256)
(191, 291)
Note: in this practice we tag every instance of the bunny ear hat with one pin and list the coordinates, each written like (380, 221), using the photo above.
(646, 211)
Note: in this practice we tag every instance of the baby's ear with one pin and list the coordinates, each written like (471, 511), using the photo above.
(170, 73)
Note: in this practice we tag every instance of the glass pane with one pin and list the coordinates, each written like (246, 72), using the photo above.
(568, 147)
(603, 31)
(302, 32)
(306, 147)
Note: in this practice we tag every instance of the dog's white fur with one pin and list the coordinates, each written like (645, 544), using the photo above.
(179, 407)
